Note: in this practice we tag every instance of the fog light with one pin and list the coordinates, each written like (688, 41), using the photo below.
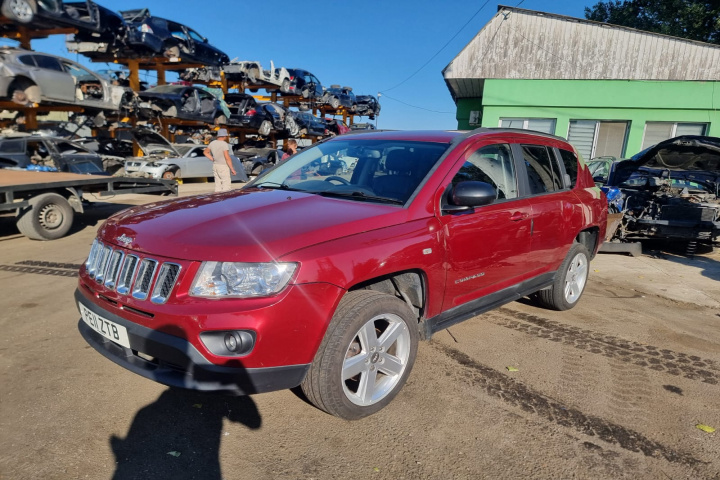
(231, 342)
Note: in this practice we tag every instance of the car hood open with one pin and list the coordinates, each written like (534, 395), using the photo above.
(692, 157)
(256, 225)
(149, 140)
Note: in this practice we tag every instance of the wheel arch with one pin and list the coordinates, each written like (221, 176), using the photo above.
(409, 286)
(590, 237)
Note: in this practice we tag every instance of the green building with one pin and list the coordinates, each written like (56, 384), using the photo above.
(609, 90)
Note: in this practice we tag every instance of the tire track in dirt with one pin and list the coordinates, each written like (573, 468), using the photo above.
(38, 263)
(38, 270)
(662, 360)
(630, 392)
(498, 385)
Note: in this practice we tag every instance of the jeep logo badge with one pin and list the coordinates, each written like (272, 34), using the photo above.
(124, 240)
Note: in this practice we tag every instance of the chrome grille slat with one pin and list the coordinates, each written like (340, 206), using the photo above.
(143, 280)
(127, 274)
(102, 264)
(113, 269)
(165, 282)
(96, 260)
(92, 255)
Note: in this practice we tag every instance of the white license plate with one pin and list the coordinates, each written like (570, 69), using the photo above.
(110, 330)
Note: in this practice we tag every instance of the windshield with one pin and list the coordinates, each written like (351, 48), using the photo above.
(386, 171)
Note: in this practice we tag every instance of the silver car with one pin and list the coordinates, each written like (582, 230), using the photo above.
(28, 77)
(172, 161)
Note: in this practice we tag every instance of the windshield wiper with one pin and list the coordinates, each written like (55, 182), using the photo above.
(280, 186)
(362, 195)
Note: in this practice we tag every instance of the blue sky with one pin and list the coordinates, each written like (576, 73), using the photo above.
(370, 45)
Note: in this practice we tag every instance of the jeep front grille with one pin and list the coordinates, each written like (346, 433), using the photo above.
(130, 274)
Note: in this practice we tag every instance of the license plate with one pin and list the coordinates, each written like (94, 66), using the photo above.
(110, 330)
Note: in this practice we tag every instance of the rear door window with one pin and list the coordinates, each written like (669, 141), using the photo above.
(48, 63)
(27, 60)
(12, 146)
(543, 174)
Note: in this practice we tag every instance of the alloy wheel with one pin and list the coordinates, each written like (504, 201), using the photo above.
(575, 278)
(376, 359)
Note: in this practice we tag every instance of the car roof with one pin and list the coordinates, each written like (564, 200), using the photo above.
(447, 136)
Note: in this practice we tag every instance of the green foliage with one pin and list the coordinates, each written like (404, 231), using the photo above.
(693, 19)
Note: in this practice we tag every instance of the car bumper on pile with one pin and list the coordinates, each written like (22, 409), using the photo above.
(173, 361)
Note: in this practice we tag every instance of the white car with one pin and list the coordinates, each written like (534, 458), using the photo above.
(254, 73)
(164, 160)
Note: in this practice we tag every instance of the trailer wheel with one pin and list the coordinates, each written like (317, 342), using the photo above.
(49, 217)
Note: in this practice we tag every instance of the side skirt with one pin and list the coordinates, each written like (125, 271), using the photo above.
(481, 305)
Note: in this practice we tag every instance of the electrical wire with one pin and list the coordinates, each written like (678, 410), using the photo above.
(441, 49)
(414, 106)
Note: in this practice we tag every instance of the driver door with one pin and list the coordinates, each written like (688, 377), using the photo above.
(486, 247)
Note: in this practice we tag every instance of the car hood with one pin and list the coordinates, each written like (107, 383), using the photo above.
(256, 225)
(149, 140)
(688, 156)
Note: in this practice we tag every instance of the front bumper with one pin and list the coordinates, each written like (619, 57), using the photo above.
(177, 363)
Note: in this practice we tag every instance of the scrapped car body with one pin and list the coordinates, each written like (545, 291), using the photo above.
(305, 84)
(670, 191)
(263, 117)
(337, 97)
(160, 36)
(30, 77)
(329, 282)
(367, 106)
(254, 75)
(164, 160)
(29, 151)
(197, 103)
(308, 124)
(87, 17)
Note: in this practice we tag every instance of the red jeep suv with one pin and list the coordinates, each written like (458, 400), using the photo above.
(329, 282)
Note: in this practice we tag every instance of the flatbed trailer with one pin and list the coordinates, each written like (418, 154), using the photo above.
(45, 203)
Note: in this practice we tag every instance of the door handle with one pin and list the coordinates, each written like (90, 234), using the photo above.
(517, 216)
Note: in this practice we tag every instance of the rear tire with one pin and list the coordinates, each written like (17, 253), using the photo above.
(334, 103)
(221, 120)
(570, 281)
(49, 217)
(292, 127)
(285, 87)
(172, 52)
(365, 357)
(21, 11)
(265, 128)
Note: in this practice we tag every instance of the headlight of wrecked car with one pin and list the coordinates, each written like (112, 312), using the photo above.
(241, 280)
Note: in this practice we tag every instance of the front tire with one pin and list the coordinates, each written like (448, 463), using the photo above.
(49, 217)
(570, 281)
(365, 357)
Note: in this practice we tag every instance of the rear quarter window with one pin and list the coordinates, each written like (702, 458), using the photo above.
(12, 146)
(570, 161)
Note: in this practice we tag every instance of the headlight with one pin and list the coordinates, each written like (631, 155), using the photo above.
(241, 280)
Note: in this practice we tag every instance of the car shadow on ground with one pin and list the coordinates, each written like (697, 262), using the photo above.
(179, 434)
(704, 258)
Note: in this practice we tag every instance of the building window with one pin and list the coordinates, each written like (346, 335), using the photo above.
(545, 125)
(656, 132)
(597, 138)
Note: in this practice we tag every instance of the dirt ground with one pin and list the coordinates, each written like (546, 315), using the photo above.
(611, 389)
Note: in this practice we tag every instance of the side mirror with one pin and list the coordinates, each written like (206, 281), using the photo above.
(468, 195)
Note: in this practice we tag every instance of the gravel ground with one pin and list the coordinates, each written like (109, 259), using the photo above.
(611, 389)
